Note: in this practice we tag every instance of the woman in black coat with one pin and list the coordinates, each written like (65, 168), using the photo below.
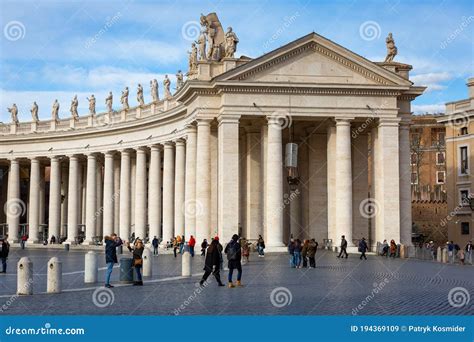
(137, 251)
(212, 263)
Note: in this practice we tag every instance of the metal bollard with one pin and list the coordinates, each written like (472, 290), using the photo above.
(186, 267)
(91, 270)
(126, 270)
(55, 273)
(25, 277)
(147, 262)
(66, 246)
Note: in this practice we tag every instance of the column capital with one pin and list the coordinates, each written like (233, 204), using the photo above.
(344, 121)
(109, 154)
(91, 155)
(190, 127)
(141, 149)
(34, 160)
(389, 122)
(14, 160)
(179, 142)
(156, 147)
(228, 118)
(168, 144)
(204, 121)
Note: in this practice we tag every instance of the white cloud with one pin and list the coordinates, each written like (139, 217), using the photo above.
(432, 80)
(429, 108)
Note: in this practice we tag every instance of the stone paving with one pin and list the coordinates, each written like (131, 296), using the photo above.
(378, 286)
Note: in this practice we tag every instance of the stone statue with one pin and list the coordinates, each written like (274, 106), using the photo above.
(202, 46)
(55, 111)
(231, 41)
(140, 99)
(179, 80)
(193, 58)
(73, 109)
(34, 112)
(154, 90)
(391, 49)
(108, 102)
(212, 36)
(91, 104)
(167, 84)
(124, 99)
(14, 112)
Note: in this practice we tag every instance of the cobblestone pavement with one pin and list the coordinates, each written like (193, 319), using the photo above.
(378, 286)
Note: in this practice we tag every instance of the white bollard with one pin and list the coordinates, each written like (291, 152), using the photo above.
(25, 277)
(55, 273)
(444, 257)
(91, 270)
(147, 260)
(186, 267)
(439, 254)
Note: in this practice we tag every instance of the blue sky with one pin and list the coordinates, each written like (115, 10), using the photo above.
(56, 49)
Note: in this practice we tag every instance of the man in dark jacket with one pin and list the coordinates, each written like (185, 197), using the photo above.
(4, 250)
(155, 242)
(363, 248)
(212, 263)
(312, 248)
(234, 256)
(343, 247)
(111, 244)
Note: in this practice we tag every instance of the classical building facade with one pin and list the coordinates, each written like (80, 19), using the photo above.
(459, 121)
(210, 159)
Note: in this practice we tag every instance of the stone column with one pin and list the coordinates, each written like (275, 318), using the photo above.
(274, 191)
(99, 201)
(190, 183)
(168, 192)
(33, 215)
(343, 180)
(387, 171)
(405, 184)
(14, 206)
(64, 198)
(263, 176)
(331, 184)
(154, 192)
(140, 193)
(115, 228)
(125, 195)
(253, 182)
(203, 180)
(109, 199)
(179, 208)
(55, 198)
(91, 200)
(42, 197)
(228, 186)
(73, 198)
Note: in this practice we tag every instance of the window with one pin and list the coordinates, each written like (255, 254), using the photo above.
(440, 177)
(414, 158)
(464, 130)
(414, 178)
(440, 156)
(441, 138)
(437, 136)
(464, 165)
(464, 228)
(464, 197)
(415, 138)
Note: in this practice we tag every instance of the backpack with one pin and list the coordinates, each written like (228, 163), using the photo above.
(232, 251)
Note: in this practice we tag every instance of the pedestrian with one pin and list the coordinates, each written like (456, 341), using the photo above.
(204, 245)
(191, 244)
(181, 244)
(4, 251)
(52, 240)
(384, 248)
(304, 253)
(468, 250)
(312, 249)
(450, 247)
(393, 249)
(291, 252)
(461, 256)
(343, 247)
(261, 247)
(155, 242)
(245, 249)
(212, 263)
(24, 237)
(297, 253)
(221, 249)
(234, 256)
(137, 251)
(363, 248)
(176, 243)
(111, 244)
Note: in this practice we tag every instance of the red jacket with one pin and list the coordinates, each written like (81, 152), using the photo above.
(192, 242)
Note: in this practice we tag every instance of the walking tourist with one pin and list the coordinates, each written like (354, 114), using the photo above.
(191, 244)
(137, 251)
(343, 247)
(261, 247)
(304, 253)
(212, 263)
(312, 249)
(468, 250)
(176, 243)
(461, 256)
(450, 247)
(234, 256)
(297, 253)
(155, 242)
(221, 249)
(291, 252)
(363, 248)
(111, 244)
(245, 249)
(181, 245)
(4, 251)
(204, 245)
(393, 249)
(23, 239)
(384, 248)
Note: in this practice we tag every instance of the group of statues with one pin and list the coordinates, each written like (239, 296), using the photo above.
(108, 100)
(213, 44)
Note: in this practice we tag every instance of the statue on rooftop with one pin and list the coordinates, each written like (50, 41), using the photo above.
(34, 112)
(108, 102)
(391, 48)
(91, 104)
(55, 111)
(73, 109)
(124, 99)
(231, 41)
(14, 113)
(140, 99)
(154, 90)
(179, 80)
(167, 84)
(193, 59)
(202, 46)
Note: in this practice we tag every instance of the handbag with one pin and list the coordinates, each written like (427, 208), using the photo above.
(137, 262)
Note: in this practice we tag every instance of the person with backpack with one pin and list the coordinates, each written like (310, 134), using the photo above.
(4, 251)
(212, 263)
(234, 256)
(261, 247)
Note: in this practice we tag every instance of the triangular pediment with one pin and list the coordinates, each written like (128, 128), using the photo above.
(313, 60)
